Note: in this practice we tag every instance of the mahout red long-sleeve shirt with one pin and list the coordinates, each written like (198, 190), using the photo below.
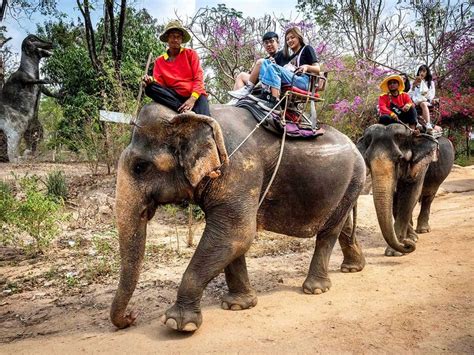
(184, 74)
(400, 100)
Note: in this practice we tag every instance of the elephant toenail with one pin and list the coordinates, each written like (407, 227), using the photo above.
(318, 291)
(172, 324)
(163, 319)
(224, 305)
(236, 307)
(190, 327)
(307, 291)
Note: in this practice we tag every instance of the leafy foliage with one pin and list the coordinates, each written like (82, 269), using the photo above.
(56, 186)
(32, 212)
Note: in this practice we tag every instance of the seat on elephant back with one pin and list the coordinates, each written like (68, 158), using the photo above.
(297, 101)
(435, 115)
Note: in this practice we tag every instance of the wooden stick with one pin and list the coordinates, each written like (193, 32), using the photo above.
(140, 91)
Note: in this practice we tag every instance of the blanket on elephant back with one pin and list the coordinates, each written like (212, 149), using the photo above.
(273, 121)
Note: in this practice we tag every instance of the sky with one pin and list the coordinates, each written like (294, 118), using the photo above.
(162, 10)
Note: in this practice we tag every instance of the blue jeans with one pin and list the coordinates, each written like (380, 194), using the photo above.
(273, 75)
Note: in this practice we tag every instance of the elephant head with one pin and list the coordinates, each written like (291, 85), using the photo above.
(396, 158)
(164, 163)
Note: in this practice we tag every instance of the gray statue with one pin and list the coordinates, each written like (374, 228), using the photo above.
(19, 99)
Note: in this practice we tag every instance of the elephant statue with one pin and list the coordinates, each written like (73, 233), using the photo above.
(404, 168)
(174, 158)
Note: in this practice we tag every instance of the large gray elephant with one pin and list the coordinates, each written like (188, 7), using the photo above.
(173, 158)
(405, 168)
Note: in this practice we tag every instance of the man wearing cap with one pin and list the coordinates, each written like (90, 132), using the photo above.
(177, 80)
(394, 104)
(271, 44)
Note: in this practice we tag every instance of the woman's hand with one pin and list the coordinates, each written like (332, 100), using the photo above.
(188, 105)
(302, 69)
(406, 107)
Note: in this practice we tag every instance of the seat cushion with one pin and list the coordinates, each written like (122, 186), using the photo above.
(299, 91)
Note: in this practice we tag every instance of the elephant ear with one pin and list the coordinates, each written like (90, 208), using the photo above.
(424, 151)
(201, 148)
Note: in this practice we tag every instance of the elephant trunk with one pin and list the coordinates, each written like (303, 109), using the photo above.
(131, 223)
(383, 186)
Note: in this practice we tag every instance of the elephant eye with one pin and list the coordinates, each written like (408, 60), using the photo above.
(141, 167)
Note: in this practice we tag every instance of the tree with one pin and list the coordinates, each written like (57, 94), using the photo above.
(228, 43)
(436, 27)
(97, 83)
(360, 25)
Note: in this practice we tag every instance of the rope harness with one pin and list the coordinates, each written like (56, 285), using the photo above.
(245, 140)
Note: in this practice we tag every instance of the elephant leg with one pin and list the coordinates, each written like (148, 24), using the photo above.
(424, 216)
(241, 295)
(411, 234)
(222, 242)
(318, 280)
(353, 258)
(388, 250)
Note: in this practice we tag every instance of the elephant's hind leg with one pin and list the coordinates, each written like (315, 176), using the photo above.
(318, 280)
(423, 225)
(354, 260)
(241, 295)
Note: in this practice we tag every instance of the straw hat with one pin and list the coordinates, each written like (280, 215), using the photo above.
(384, 84)
(175, 25)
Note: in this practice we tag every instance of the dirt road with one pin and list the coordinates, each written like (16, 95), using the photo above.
(422, 302)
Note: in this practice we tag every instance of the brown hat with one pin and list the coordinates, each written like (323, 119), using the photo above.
(175, 25)
(384, 84)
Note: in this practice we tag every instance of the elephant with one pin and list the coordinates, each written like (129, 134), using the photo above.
(405, 168)
(174, 158)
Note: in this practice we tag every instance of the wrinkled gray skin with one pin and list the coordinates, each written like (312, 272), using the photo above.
(19, 99)
(398, 162)
(169, 160)
(437, 172)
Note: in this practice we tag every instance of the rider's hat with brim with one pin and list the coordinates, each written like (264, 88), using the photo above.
(175, 25)
(384, 84)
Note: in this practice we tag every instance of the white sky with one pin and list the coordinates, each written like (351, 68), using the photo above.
(162, 10)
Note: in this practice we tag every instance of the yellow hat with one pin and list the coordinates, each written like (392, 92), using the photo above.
(384, 84)
(175, 25)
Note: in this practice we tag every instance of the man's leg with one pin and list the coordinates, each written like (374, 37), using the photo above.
(165, 96)
(241, 80)
(386, 120)
(201, 106)
(409, 117)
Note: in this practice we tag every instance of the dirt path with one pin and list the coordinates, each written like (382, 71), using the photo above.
(420, 303)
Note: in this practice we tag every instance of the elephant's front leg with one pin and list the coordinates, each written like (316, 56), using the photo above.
(225, 238)
(241, 295)
(354, 260)
(318, 280)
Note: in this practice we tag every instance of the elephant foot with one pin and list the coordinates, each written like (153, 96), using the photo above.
(181, 319)
(239, 301)
(392, 252)
(423, 228)
(316, 285)
(354, 260)
(124, 320)
(412, 236)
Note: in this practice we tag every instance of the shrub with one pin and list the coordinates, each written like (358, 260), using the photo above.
(56, 186)
(31, 212)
